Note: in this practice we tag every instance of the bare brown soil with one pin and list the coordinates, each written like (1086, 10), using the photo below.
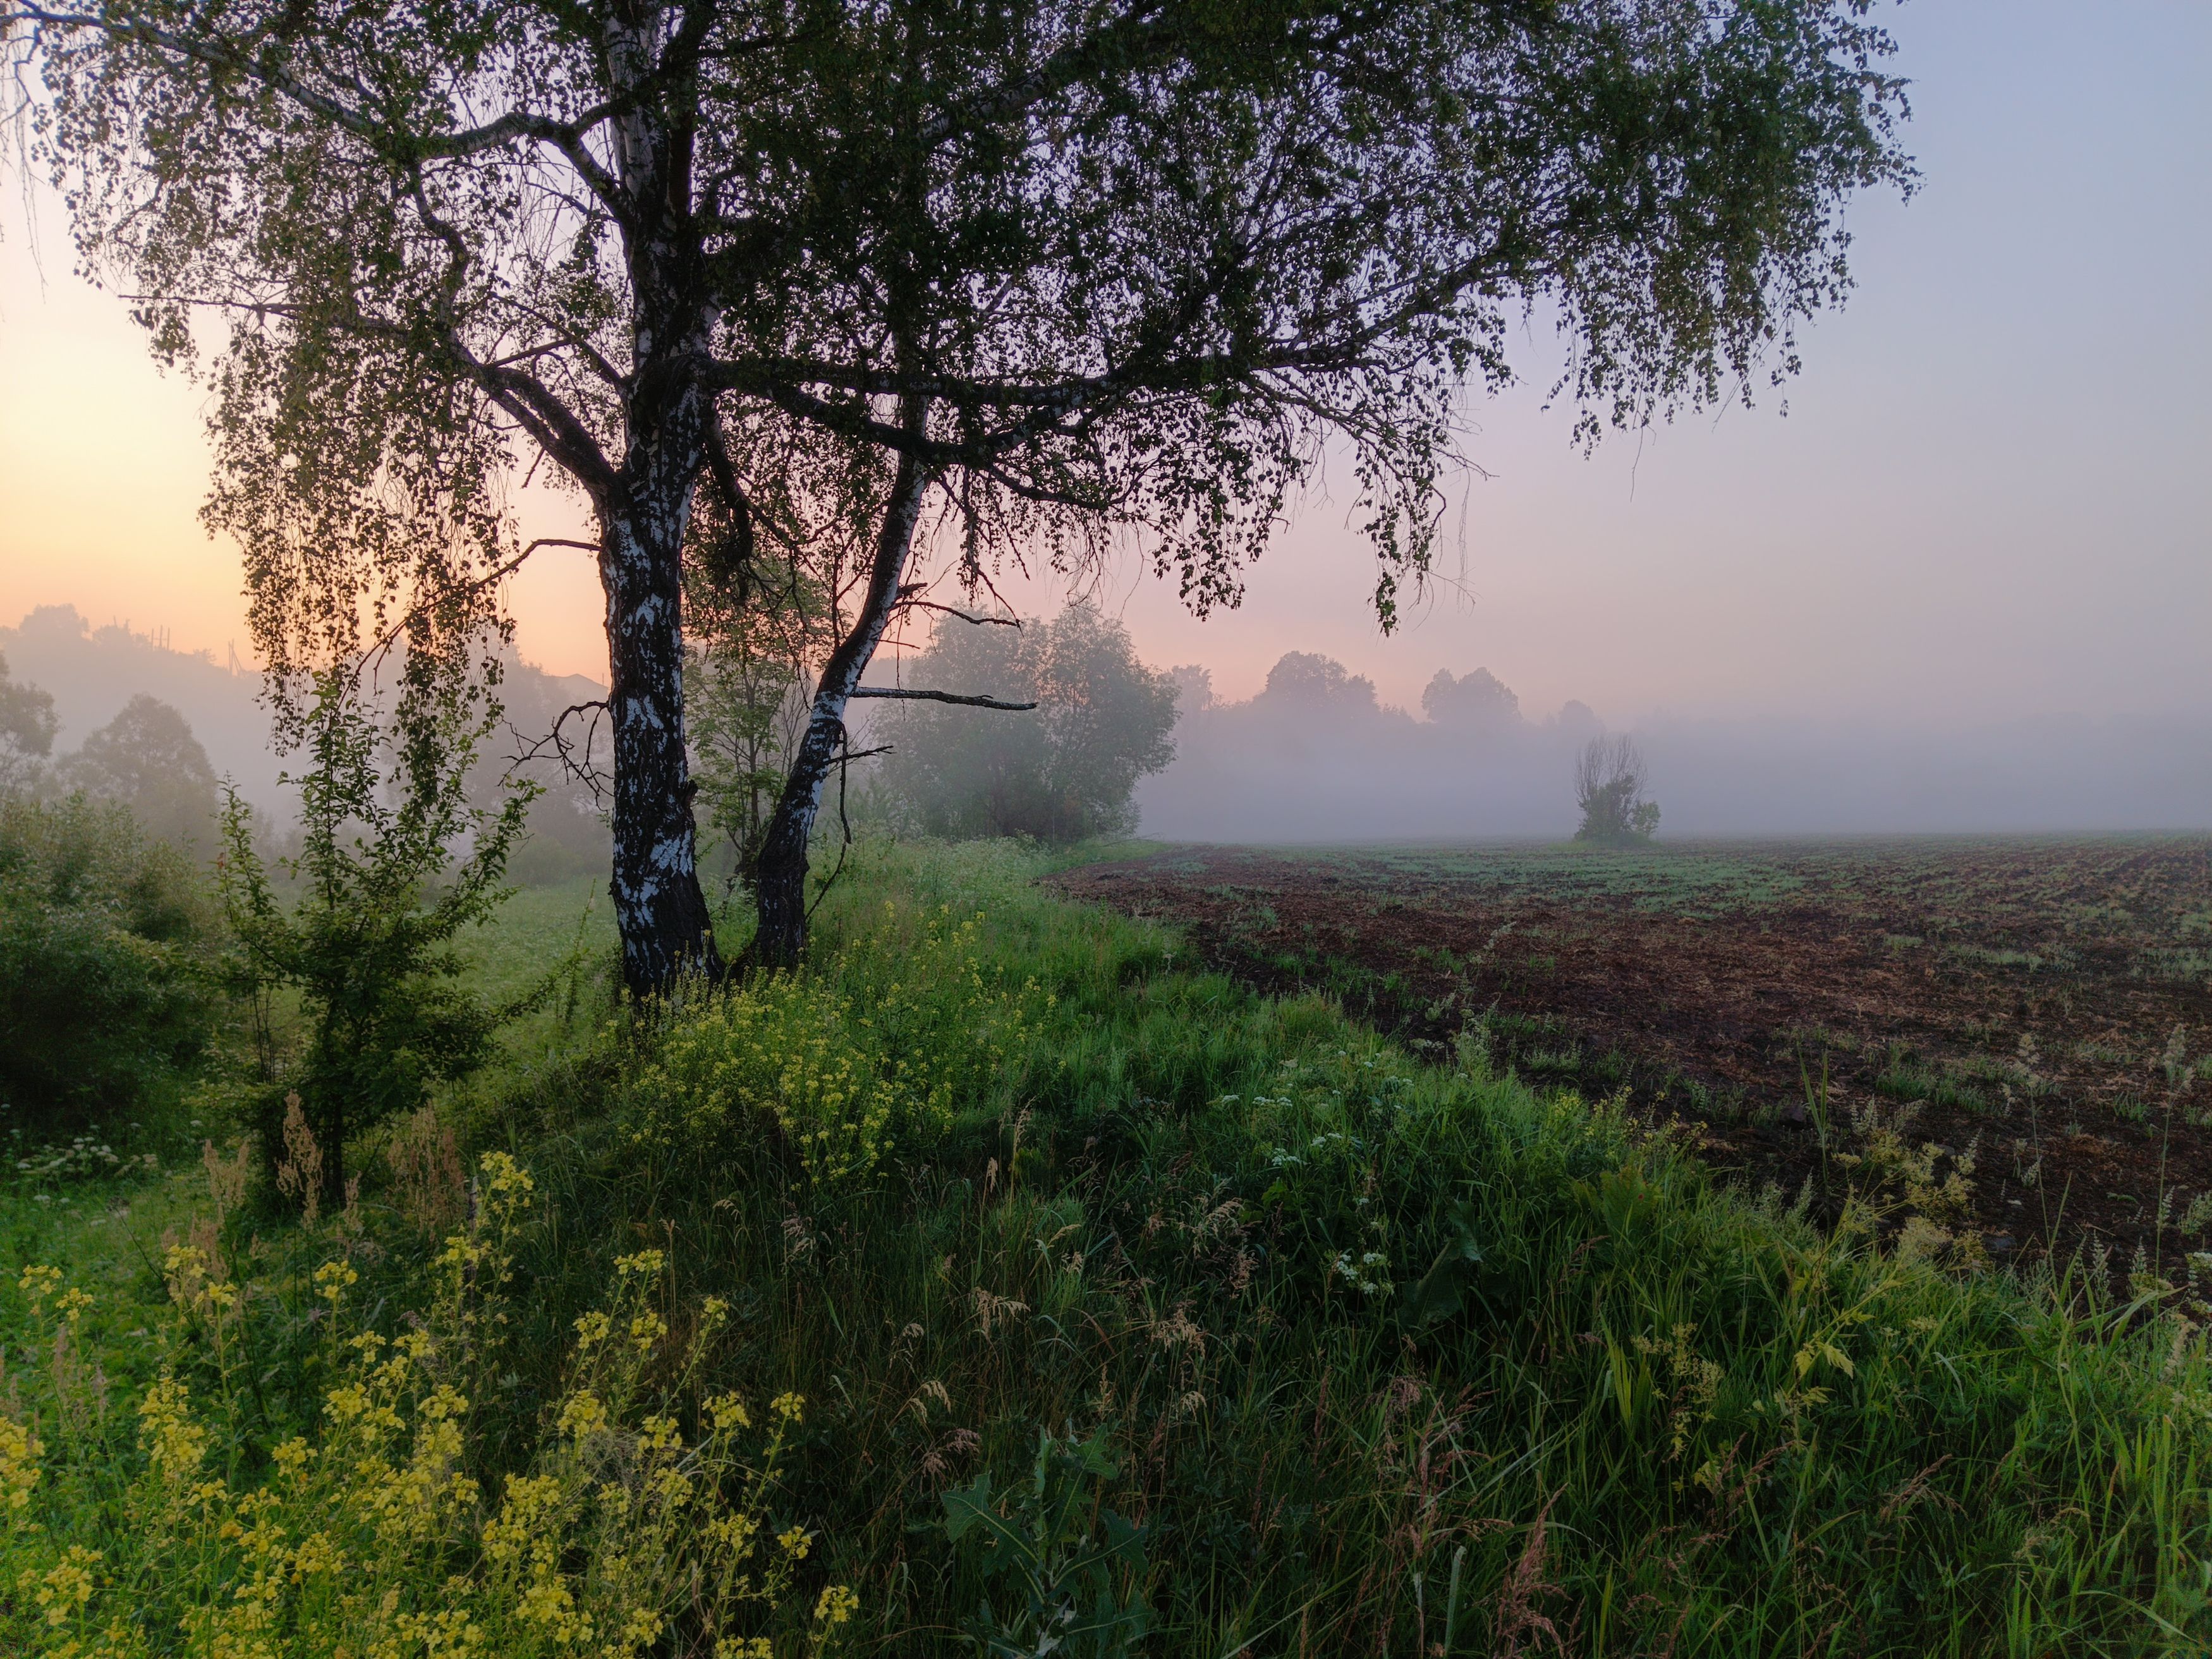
(2041, 1008)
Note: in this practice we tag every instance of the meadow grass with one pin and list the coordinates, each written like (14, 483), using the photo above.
(1384, 1356)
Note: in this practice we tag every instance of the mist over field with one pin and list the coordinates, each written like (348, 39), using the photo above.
(1317, 756)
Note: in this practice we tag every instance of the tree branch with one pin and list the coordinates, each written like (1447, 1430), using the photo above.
(567, 136)
(939, 697)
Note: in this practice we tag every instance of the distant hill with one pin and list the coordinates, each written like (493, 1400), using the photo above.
(91, 673)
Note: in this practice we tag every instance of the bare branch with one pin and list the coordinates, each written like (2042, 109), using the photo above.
(558, 745)
(939, 697)
(964, 616)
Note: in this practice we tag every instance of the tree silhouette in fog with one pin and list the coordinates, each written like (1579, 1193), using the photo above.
(148, 758)
(1102, 720)
(1610, 776)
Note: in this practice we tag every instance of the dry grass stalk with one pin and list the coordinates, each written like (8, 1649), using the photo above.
(227, 1178)
(428, 1185)
(300, 1177)
(1518, 1619)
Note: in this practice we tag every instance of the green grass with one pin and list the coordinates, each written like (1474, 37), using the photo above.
(1378, 1349)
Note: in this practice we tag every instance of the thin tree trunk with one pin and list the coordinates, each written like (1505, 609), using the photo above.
(779, 874)
(659, 909)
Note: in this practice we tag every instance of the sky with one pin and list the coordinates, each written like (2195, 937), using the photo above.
(1988, 497)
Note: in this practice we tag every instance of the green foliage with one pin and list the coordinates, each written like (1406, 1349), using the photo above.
(1382, 1355)
(368, 947)
(1062, 774)
(105, 939)
(1071, 1574)
(1199, 1223)
(179, 1522)
(868, 1054)
(1145, 263)
(746, 692)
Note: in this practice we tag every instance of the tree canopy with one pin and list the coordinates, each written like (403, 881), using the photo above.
(148, 758)
(1021, 277)
(26, 730)
(1103, 721)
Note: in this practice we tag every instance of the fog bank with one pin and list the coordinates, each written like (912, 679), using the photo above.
(1317, 756)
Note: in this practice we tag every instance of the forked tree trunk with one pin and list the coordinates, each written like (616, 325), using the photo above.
(779, 873)
(659, 909)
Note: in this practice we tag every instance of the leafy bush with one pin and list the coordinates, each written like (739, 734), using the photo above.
(644, 1516)
(104, 943)
(1071, 1574)
(368, 945)
(1609, 779)
(844, 1063)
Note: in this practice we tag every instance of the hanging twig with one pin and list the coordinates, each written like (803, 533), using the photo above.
(846, 756)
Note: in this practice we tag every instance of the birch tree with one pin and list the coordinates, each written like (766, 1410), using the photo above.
(1022, 277)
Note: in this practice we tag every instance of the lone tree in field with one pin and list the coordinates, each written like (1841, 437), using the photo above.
(1609, 781)
(914, 280)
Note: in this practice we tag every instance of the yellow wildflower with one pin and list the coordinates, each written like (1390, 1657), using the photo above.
(333, 1279)
(584, 1414)
(501, 1175)
(837, 1604)
(63, 1590)
(20, 1451)
(38, 1282)
(174, 1444)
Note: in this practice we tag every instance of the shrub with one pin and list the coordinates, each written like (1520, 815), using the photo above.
(104, 942)
(844, 1062)
(1609, 780)
(368, 947)
(643, 1518)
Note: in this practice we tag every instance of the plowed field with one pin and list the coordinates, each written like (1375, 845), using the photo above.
(2033, 1015)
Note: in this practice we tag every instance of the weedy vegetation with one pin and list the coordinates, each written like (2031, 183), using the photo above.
(998, 1283)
